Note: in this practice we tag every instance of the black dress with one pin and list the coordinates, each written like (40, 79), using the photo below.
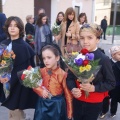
(20, 97)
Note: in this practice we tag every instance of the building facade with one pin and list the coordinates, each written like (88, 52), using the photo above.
(22, 8)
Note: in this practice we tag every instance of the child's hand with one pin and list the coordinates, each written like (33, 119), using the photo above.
(87, 87)
(76, 92)
(45, 93)
(4, 80)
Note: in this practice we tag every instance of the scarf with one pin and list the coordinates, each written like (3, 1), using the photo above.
(38, 43)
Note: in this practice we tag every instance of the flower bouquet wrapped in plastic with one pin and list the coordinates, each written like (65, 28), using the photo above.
(6, 65)
(83, 66)
(56, 29)
(31, 78)
(30, 38)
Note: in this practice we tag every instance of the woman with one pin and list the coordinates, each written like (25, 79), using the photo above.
(82, 19)
(59, 19)
(69, 31)
(29, 30)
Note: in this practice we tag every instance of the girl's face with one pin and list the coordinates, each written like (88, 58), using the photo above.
(44, 19)
(116, 56)
(13, 30)
(71, 16)
(88, 40)
(60, 17)
(82, 19)
(49, 59)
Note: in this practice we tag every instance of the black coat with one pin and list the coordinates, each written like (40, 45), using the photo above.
(104, 80)
(20, 97)
(2, 22)
(104, 24)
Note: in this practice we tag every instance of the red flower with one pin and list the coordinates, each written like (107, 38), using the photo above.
(29, 68)
(29, 37)
(85, 62)
(84, 51)
(23, 76)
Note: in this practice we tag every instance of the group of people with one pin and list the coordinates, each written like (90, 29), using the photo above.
(68, 98)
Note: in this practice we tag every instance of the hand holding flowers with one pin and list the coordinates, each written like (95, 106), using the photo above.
(84, 67)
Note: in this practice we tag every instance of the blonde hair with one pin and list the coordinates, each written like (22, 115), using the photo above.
(28, 17)
(69, 11)
(94, 28)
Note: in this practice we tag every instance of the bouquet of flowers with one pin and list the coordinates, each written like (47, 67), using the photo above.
(83, 66)
(6, 65)
(30, 38)
(31, 78)
(56, 29)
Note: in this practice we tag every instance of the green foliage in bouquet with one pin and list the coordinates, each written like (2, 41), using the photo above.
(31, 77)
(56, 29)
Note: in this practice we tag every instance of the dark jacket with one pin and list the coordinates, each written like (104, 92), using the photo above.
(104, 80)
(20, 97)
(104, 24)
(29, 29)
(2, 22)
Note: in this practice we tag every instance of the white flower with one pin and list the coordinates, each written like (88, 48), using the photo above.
(80, 56)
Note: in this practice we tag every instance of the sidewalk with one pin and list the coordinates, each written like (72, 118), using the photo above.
(107, 44)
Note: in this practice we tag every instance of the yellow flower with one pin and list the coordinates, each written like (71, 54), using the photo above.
(82, 69)
(88, 67)
(75, 53)
(3, 62)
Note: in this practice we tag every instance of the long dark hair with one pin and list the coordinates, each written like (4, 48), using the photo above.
(56, 50)
(81, 15)
(58, 15)
(39, 20)
(19, 23)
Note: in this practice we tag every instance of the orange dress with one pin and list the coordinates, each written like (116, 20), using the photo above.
(55, 82)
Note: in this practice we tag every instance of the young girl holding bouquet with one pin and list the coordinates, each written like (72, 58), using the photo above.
(88, 108)
(20, 97)
(54, 84)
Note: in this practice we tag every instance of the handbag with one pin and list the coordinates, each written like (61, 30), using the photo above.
(69, 48)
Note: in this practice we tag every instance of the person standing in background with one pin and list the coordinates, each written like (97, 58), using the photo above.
(2, 22)
(41, 10)
(59, 19)
(104, 27)
(29, 29)
(69, 32)
(82, 18)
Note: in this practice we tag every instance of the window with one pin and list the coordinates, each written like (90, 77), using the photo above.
(77, 10)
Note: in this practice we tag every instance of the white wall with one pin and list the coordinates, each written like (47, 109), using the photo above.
(62, 5)
(20, 8)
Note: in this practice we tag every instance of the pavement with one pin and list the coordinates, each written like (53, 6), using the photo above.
(104, 44)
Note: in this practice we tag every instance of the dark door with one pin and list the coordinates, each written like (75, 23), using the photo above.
(45, 4)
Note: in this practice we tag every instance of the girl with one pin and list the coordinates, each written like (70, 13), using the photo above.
(69, 31)
(59, 19)
(20, 98)
(90, 107)
(43, 34)
(29, 28)
(115, 93)
(82, 18)
(54, 82)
